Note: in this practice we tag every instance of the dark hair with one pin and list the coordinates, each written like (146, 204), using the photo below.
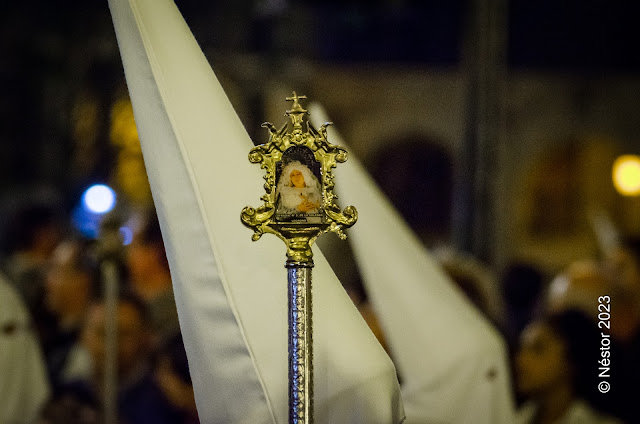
(632, 245)
(84, 260)
(173, 350)
(522, 285)
(150, 234)
(26, 223)
(581, 338)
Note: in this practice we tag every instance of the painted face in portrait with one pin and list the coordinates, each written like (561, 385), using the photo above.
(297, 179)
(298, 190)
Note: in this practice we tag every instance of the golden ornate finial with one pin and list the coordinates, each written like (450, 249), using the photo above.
(295, 99)
(296, 113)
(299, 203)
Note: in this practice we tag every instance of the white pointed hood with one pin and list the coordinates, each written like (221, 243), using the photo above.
(24, 387)
(230, 292)
(451, 361)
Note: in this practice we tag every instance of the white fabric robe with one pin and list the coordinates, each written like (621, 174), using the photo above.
(24, 385)
(452, 362)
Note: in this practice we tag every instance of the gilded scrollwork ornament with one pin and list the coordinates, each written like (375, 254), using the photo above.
(299, 202)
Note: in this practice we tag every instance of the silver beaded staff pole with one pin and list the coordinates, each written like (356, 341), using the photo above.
(299, 205)
(300, 343)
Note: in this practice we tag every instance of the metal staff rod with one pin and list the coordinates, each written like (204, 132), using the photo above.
(109, 249)
(300, 342)
(299, 205)
(109, 272)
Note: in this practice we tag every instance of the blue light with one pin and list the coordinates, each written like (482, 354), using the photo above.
(99, 199)
(87, 222)
(127, 235)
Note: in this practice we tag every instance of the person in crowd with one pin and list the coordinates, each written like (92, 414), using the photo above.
(557, 370)
(24, 388)
(623, 324)
(476, 281)
(522, 289)
(32, 236)
(172, 375)
(140, 399)
(578, 287)
(70, 285)
(623, 263)
(148, 268)
(595, 289)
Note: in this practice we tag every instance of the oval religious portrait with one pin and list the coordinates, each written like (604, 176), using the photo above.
(299, 187)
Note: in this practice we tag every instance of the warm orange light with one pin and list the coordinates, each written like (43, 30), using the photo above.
(626, 175)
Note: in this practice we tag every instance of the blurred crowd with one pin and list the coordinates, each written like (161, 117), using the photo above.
(567, 333)
(54, 278)
(574, 337)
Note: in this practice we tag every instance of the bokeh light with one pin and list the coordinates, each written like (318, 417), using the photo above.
(127, 235)
(626, 175)
(99, 199)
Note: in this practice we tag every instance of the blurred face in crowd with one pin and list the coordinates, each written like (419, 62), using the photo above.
(624, 268)
(541, 363)
(133, 337)
(67, 286)
(147, 263)
(46, 238)
(142, 259)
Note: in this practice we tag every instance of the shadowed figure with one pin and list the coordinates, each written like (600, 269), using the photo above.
(557, 370)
